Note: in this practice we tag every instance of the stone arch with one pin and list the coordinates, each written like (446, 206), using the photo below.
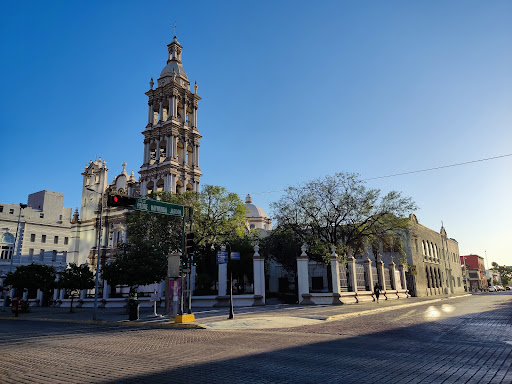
(7, 246)
(150, 187)
(179, 186)
(160, 185)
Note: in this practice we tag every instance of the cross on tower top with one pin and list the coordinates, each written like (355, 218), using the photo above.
(175, 26)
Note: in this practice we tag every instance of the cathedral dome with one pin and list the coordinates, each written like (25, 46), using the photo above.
(253, 210)
(174, 66)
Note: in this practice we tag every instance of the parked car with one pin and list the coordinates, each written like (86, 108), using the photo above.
(508, 288)
(492, 288)
(500, 288)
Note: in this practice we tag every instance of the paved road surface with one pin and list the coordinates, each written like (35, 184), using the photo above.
(463, 340)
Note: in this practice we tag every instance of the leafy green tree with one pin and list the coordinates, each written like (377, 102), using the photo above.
(283, 246)
(75, 279)
(32, 276)
(217, 216)
(504, 271)
(340, 210)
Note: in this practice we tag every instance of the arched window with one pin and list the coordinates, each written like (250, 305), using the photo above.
(7, 244)
(428, 277)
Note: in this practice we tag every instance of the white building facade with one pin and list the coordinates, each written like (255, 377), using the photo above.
(44, 233)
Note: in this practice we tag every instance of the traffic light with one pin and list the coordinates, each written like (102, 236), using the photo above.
(120, 201)
(190, 245)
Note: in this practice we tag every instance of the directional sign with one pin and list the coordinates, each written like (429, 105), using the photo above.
(235, 255)
(155, 206)
(222, 257)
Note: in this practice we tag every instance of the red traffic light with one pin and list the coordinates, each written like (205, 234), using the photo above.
(120, 201)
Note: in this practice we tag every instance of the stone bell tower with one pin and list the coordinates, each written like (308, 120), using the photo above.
(171, 139)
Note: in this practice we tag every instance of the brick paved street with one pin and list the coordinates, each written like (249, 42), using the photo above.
(463, 340)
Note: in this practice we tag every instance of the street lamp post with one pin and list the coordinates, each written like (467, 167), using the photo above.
(230, 267)
(96, 286)
(22, 206)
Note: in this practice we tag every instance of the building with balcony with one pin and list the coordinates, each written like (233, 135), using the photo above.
(473, 271)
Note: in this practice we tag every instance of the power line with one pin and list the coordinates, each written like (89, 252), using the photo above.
(411, 172)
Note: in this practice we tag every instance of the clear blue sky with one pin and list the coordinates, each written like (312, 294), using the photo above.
(290, 91)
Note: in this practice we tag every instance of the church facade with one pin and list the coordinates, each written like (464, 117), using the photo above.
(170, 162)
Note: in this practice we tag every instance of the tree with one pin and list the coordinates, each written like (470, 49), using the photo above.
(32, 276)
(218, 216)
(340, 210)
(504, 271)
(283, 246)
(75, 279)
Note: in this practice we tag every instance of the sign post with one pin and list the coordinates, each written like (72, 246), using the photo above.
(155, 206)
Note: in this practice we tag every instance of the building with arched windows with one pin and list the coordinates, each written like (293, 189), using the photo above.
(433, 259)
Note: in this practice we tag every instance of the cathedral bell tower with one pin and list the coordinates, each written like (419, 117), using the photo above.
(171, 139)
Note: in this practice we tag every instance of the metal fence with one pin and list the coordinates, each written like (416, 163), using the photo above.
(387, 278)
(375, 276)
(361, 283)
(343, 277)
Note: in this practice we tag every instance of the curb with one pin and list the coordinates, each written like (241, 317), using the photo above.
(106, 322)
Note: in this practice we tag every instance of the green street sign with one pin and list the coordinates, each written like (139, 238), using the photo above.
(155, 206)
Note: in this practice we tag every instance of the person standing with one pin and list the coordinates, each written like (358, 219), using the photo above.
(376, 290)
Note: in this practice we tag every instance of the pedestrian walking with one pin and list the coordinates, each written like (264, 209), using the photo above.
(376, 290)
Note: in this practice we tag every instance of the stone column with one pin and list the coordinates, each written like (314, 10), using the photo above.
(392, 275)
(303, 276)
(150, 114)
(197, 156)
(380, 272)
(368, 270)
(335, 273)
(157, 152)
(184, 117)
(168, 145)
(223, 277)
(258, 263)
(402, 276)
(170, 108)
(351, 265)
(146, 153)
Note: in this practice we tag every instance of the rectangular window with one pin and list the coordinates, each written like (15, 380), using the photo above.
(1, 208)
(31, 252)
(60, 217)
(43, 239)
(66, 240)
(458, 281)
(32, 237)
(65, 254)
(41, 255)
(41, 215)
(54, 255)
(56, 240)
(11, 211)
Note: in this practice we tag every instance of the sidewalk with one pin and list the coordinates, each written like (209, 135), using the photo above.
(270, 316)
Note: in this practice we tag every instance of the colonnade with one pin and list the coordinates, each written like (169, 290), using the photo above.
(171, 108)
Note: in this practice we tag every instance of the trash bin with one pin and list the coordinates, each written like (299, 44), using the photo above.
(133, 310)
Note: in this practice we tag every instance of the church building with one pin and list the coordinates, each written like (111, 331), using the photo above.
(170, 162)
